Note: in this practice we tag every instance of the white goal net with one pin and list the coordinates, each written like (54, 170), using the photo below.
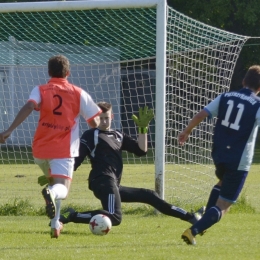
(118, 53)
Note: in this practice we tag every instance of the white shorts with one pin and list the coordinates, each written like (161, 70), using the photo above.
(57, 168)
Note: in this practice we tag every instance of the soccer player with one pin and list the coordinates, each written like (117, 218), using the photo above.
(56, 140)
(238, 118)
(104, 146)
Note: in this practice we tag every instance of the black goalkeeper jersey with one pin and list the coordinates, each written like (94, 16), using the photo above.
(104, 149)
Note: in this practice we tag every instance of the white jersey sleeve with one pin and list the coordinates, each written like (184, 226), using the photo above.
(88, 108)
(258, 117)
(35, 95)
(212, 107)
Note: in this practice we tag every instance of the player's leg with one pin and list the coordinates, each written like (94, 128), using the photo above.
(106, 190)
(232, 184)
(214, 194)
(61, 172)
(141, 195)
(45, 167)
(59, 190)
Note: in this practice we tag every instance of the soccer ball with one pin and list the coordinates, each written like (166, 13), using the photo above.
(100, 224)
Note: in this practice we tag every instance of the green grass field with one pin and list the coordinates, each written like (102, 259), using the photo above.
(138, 237)
(143, 234)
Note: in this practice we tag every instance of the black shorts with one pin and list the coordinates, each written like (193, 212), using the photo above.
(232, 182)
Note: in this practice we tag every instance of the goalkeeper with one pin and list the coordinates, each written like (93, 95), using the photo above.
(103, 146)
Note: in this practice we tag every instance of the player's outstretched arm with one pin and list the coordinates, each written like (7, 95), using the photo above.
(142, 121)
(24, 112)
(184, 135)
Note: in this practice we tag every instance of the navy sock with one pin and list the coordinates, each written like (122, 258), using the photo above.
(211, 217)
(213, 197)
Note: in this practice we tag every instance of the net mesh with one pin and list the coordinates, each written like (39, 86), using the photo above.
(201, 60)
(112, 55)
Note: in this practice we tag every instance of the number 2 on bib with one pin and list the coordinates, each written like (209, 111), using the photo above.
(55, 110)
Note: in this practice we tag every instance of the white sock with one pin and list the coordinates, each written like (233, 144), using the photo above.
(55, 221)
(59, 191)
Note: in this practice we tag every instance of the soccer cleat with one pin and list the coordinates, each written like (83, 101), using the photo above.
(197, 215)
(188, 238)
(55, 232)
(201, 210)
(65, 217)
(50, 203)
(195, 219)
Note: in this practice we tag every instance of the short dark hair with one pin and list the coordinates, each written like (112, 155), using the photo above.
(252, 77)
(58, 66)
(104, 106)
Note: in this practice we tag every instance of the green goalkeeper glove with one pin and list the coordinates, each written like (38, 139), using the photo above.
(43, 180)
(145, 116)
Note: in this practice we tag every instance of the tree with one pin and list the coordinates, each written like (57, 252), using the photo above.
(236, 16)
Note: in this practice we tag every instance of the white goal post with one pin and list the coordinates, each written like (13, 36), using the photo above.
(130, 53)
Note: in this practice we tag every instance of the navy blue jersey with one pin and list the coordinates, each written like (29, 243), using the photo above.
(238, 118)
(104, 149)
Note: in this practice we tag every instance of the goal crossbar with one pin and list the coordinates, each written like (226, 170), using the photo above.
(77, 5)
